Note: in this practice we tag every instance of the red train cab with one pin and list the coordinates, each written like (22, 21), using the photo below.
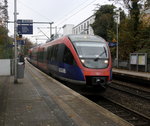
(82, 59)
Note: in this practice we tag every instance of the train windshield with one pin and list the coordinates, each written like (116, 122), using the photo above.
(92, 54)
(91, 50)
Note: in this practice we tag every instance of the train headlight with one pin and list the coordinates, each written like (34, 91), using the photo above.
(82, 60)
(106, 61)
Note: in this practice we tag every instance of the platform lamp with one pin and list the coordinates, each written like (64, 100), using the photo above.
(15, 37)
(117, 36)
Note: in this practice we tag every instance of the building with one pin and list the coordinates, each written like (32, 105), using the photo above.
(84, 27)
(67, 29)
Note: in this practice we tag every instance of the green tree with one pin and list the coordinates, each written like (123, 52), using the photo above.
(126, 39)
(104, 22)
(134, 34)
(134, 10)
(5, 44)
(143, 45)
(147, 4)
(5, 51)
(3, 41)
(27, 46)
(129, 42)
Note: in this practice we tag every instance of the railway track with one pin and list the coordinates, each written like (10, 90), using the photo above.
(131, 116)
(132, 90)
(127, 114)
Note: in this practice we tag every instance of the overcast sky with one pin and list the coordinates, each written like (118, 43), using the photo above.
(60, 12)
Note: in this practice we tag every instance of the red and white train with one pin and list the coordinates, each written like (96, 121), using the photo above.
(82, 59)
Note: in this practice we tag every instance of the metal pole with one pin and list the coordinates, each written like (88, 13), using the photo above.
(50, 32)
(146, 65)
(117, 47)
(117, 50)
(51, 29)
(55, 32)
(15, 35)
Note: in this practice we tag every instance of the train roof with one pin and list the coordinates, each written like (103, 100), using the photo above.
(82, 37)
(74, 38)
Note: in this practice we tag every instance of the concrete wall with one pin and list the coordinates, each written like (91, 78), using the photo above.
(4, 67)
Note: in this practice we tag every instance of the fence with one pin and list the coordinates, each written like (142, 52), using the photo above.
(5, 67)
(126, 65)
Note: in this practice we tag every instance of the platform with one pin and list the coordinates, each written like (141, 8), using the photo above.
(39, 100)
(142, 78)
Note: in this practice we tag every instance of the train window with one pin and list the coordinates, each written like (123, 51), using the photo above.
(92, 54)
(61, 48)
(91, 49)
(54, 53)
(39, 56)
(68, 57)
(49, 53)
(60, 53)
(44, 58)
(34, 55)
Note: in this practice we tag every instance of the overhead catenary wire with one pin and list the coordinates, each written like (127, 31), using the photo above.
(78, 9)
(76, 12)
(35, 11)
(75, 9)
(66, 14)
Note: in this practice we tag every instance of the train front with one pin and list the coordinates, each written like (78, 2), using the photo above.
(95, 59)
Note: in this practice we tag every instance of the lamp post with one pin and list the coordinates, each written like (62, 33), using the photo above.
(15, 35)
(117, 32)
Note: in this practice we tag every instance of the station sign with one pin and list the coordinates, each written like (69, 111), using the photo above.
(10, 45)
(25, 29)
(25, 26)
(24, 21)
(21, 42)
(112, 44)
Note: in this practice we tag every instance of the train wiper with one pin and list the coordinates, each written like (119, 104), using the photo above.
(99, 56)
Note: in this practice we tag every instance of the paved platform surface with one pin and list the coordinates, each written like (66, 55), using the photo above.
(142, 75)
(39, 100)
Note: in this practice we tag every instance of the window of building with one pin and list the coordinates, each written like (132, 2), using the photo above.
(79, 30)
(84, 26)
(81, 27)
(87, 24)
